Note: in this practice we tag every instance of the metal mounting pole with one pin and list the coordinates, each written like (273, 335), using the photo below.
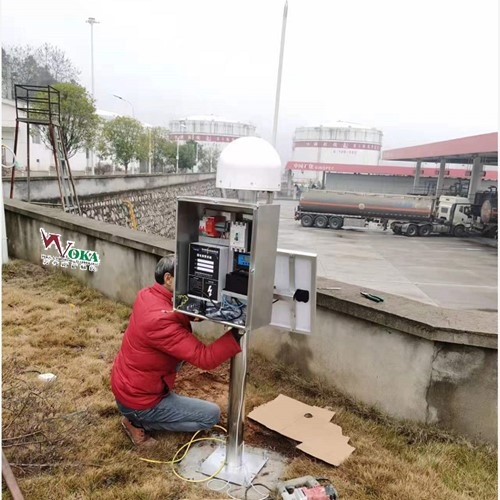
(240, 466)
(236, 411)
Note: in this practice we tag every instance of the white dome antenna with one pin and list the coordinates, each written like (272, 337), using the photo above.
(249, 164)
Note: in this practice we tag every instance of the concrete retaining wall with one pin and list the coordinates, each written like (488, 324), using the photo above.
(152, 211)
(126, 256)
(146, 201)
(408, 359)
(46, 188)
(404, 375)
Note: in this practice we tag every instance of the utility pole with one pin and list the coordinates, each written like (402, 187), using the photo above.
(280, 68)
(92, 21)
(278, 90)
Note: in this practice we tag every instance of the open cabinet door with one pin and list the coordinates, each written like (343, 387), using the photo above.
(294, 306)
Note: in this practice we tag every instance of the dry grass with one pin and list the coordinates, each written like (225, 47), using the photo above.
(64, 442)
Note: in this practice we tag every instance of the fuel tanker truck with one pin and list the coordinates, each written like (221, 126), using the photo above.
(407, 214)
(485, 212)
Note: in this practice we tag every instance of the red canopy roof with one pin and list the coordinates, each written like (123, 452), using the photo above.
(456, 173)
(462, 150)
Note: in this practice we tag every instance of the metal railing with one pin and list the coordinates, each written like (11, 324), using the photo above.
(38, 105)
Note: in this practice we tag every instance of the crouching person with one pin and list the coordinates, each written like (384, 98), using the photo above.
(157, 340)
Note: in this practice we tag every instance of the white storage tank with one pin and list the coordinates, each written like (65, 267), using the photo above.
(315, 149)
(212, 133)
(209, 129)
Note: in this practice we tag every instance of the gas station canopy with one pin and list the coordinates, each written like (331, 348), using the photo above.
(463, 150)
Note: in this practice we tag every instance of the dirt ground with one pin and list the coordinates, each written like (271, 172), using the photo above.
(197, 383)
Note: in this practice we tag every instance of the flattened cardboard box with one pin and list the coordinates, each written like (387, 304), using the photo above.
(310, 425)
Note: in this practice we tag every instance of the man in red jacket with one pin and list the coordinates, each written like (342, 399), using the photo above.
(156, 342)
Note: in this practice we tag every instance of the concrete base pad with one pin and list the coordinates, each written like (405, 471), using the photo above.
(242, 474)
(199, 464)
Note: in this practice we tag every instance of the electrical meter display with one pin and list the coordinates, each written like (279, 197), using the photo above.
(243, 260)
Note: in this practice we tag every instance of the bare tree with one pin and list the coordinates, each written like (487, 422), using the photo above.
(24, 68)
(44, 65)
(55, 61)
(6, 76)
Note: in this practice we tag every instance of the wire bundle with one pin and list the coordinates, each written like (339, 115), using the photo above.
(230, 309)
(227, 485)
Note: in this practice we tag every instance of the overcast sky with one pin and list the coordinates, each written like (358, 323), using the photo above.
(420, 71)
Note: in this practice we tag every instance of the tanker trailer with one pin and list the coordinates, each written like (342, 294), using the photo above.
(410, 215)
(485, 210)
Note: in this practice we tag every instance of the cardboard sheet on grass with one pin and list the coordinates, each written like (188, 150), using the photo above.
(308, 424)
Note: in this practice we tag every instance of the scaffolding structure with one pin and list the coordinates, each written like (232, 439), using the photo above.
(41, 106)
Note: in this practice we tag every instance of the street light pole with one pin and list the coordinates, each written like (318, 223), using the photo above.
(133, 116)
(177, 158)
(92, 21)
(150, 155)
(128, 102)
(181, 126)
(280, 68)
(278, 90)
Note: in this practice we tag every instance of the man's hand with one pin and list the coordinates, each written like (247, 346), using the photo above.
(236, 334)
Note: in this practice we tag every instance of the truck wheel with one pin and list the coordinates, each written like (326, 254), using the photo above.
(321, 221)
(412, 230)
(459, 231)
(336, 222)
(307, 220)
(396, 229)
(425, 230)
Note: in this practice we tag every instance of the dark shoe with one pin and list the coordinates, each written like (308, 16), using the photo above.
(137, 435)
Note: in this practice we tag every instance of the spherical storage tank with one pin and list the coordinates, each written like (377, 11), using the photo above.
(340, 143)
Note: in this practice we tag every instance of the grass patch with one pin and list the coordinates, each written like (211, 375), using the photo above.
(64, 440)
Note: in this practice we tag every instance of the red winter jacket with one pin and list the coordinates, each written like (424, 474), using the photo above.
(155, 341)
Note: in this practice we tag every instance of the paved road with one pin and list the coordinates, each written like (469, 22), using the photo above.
(458, 273)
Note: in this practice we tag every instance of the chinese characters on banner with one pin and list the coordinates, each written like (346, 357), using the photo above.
(202, 137)
(338, 145)
(65, 263)
(69, 256)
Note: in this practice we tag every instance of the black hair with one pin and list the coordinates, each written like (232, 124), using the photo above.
(165, 265)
